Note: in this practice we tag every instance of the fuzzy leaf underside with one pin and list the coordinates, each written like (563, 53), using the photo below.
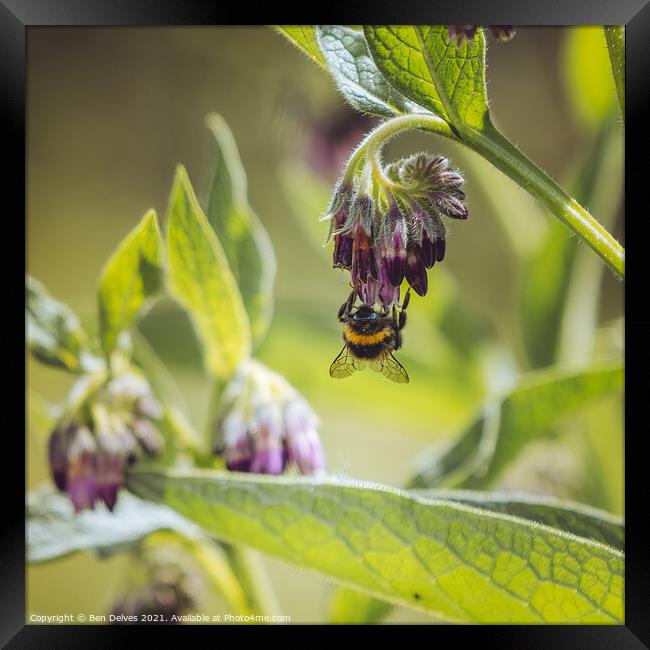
(54, 530)
(53, 332)
(356, 75)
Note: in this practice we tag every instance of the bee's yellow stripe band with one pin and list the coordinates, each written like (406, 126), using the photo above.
(365, 339)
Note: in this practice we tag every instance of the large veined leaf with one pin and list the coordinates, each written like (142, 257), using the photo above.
(201, 280)
(357, 76)
(570, 517)
(303, 37)
(356, 607)
(396, 51)
(539, 402)
(239, 230)
(130, 279)
(421, 62)
(54, 530)
(54, 335)
(457, 561)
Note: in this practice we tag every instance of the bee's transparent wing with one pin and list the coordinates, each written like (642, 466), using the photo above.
(391, 368)
(344, 365)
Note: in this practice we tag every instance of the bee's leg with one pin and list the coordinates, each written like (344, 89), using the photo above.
(347, 306)
(402, 314)
(407, 299)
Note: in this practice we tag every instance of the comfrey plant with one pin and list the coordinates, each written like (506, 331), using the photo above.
(111, 417)
(447, 544)
(429, 78)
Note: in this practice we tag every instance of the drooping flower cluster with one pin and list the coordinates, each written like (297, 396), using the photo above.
(385, 233)
(166, 584)
(459, 33)
(90, 450)
(266, 425)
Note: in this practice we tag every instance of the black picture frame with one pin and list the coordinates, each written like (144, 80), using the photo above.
(17, 16)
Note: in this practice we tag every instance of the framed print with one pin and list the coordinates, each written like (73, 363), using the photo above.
(326, 324)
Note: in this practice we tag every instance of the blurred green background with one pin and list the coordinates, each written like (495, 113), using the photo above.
(111, 112)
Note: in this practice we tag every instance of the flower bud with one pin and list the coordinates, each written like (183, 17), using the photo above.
(416, 272)
(110, 465)
(81, 481)
(268, 447)
(148, 436)
(460, 33)
(58, 445)
(503, 33)
(88, 456)
(267, 425)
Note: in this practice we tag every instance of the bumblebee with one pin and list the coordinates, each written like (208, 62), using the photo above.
(370, 340)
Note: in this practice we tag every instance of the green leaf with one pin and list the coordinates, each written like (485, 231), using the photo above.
(588, 75)
(54, 334)
(357, 76)
(458, 75)
(239, 230)
(54, 530)
(538, 403)
(453, 560)
(570, 517)
(396, 51)
(201, 280)
(615, 37)
(304, 38)
(421, 62)
(130, 280)
(350, 606)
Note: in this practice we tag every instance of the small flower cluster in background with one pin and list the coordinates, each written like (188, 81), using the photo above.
(266, 425)
(394, 230)
(171, 586)
(459, 33)
(90, 450)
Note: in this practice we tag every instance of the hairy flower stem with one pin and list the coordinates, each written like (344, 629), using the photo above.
(498, 150)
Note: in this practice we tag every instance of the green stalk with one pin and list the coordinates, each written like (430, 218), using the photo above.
(615, 37)
(254, 579)
(498, 150)
(505, 156)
